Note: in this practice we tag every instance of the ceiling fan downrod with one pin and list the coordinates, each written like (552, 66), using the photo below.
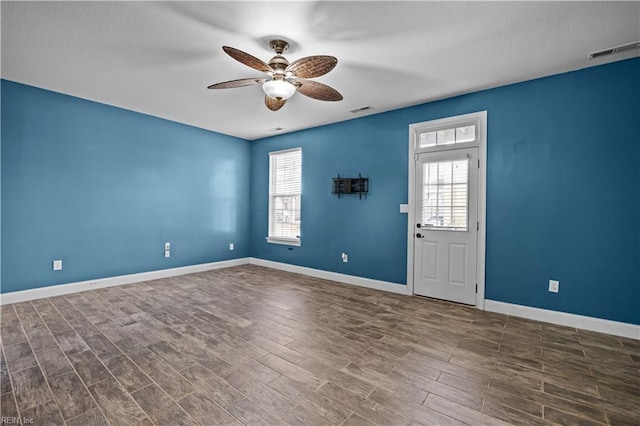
(279, 63)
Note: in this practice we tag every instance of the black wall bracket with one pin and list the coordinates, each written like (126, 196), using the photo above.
(357, 185)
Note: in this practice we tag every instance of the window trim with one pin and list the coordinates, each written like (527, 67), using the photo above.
(282, 240)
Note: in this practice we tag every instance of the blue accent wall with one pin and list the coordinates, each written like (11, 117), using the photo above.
(371, 230)
(104, 188)
(563, 191)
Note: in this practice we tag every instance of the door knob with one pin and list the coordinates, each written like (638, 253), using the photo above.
(419, 235)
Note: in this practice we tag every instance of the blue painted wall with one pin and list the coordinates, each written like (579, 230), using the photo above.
(103, 188)
(562, 201)
(371, 230)
(0, 188)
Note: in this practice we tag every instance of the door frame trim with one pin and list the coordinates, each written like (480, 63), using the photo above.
(480, 120)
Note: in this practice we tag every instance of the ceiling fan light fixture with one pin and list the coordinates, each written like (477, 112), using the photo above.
(279, 89)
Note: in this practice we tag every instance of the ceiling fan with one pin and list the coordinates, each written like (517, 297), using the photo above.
(284, 78)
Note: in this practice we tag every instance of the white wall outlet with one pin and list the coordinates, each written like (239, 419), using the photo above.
(57, 265)
(554, 286)
(167, 246)
(167, 253)
(404, 208)
(345, 257)
(231, 246)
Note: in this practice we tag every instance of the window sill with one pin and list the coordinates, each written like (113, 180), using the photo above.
(283, 241)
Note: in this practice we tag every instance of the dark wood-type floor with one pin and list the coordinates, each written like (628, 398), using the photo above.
(250, 345)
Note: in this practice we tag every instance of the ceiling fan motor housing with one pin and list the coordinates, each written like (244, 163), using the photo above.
(279, 63)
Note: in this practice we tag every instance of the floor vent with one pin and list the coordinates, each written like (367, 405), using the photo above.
(613, 50)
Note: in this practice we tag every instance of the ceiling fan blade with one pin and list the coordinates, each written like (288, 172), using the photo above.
(312, 66)
(274, 104)
(248, 60)
(318, 91)
(237, 83)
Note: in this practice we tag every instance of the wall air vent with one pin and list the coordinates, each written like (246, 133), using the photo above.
(359, 110)
(613, 50)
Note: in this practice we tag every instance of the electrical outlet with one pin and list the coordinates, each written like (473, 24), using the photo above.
(167, 253)
(554, 286)
(57, 265)
(231, 246)
(345, 257)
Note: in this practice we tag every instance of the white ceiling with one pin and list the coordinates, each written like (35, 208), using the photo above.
(158, 58)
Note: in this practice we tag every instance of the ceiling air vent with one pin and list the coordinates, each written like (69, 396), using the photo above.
(359, 110)
(613, 50)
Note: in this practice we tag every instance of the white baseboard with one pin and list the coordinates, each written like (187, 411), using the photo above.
(555, 317)
(332, 276)
(57, 290)
(562, 318)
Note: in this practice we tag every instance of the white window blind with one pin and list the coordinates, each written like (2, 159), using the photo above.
(445, 194)
(285, 177)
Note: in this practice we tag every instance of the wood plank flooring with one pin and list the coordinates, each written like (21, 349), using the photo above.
(255, 346)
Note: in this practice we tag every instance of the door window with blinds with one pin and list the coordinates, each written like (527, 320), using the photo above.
(285, 187)
(445, 194)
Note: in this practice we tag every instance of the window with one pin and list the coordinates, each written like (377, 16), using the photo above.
(462, 134)
(285, 187)
(444, 194)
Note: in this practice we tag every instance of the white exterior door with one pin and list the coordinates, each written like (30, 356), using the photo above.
(446, 225)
